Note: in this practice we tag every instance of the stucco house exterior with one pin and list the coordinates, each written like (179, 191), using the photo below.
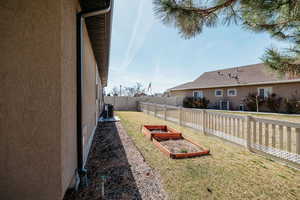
(226, 89)
(54, 65)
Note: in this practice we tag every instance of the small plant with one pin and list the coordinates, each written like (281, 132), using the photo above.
(191, 102)
(253, 102)
(292, 105)
(273, 102)
(183, 150)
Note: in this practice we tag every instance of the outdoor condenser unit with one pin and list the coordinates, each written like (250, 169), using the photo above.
(108, 111)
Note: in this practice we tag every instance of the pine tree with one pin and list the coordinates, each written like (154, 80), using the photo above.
(279, 18)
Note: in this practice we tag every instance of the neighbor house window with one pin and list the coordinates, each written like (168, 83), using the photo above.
(198, 94)
(264, 92)
(231, 92)
(219, 93)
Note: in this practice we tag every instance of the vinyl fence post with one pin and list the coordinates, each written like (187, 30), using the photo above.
(248, 131)
(165, 112)
(180, 116)
(204, 121)
(297, 130)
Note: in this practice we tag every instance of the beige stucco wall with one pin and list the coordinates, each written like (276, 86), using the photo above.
(89, 94)
(30, 105)
(68, 93)
(286, 90)
(38, 154)
(99, 97)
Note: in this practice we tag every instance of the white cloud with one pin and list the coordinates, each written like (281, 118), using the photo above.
(142, 26)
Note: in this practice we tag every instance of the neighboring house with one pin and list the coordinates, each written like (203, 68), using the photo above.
(50, 99)
(227, 88)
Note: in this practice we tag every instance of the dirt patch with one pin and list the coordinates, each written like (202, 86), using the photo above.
(158, 131)
(180, 146)
(113, 155)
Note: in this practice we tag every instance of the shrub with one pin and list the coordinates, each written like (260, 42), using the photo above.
(250, 101)
(273, 102)
(191, 102)
(292, 105)
(201, 103)
(188, 102)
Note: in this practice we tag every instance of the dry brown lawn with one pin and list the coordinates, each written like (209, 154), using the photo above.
(285, 117)
(230, 172)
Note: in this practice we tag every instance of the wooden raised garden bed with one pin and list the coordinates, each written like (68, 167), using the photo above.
(161, 131)
(179, 147)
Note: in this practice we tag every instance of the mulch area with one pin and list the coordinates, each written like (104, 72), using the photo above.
(114, 155)
(180, 146)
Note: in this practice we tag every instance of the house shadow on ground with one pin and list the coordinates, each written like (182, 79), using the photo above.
(107, 158)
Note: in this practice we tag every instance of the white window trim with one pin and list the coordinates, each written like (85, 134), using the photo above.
(201, 91)
(265, 88)
(218, 95)
(235, 92)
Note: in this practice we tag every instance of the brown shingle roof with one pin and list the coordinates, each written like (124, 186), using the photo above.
(237, 76)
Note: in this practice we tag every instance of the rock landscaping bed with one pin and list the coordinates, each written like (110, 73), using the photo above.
(114, 156)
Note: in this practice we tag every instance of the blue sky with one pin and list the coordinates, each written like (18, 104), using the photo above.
(145, 50)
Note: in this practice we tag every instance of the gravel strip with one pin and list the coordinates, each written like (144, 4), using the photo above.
(114, 155)
(146, 178)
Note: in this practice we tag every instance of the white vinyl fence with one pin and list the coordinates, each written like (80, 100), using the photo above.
(276, 138)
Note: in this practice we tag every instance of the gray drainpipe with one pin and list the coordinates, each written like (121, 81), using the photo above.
(82, 172)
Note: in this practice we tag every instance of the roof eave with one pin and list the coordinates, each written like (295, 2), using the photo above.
(99, 30)
(239, 85)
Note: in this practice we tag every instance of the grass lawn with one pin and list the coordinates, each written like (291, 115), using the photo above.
(230, 172)
(286, 117)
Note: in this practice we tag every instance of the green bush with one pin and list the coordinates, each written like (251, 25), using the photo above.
(250, 101)
(191, 102)
(292, 105)
(188, 102)
(273, 102)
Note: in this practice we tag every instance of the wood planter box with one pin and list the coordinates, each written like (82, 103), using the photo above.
(157, 140)
(160, 131)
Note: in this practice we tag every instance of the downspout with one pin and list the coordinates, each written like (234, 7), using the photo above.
(82, 172)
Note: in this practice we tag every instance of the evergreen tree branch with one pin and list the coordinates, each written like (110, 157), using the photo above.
(279, 18)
